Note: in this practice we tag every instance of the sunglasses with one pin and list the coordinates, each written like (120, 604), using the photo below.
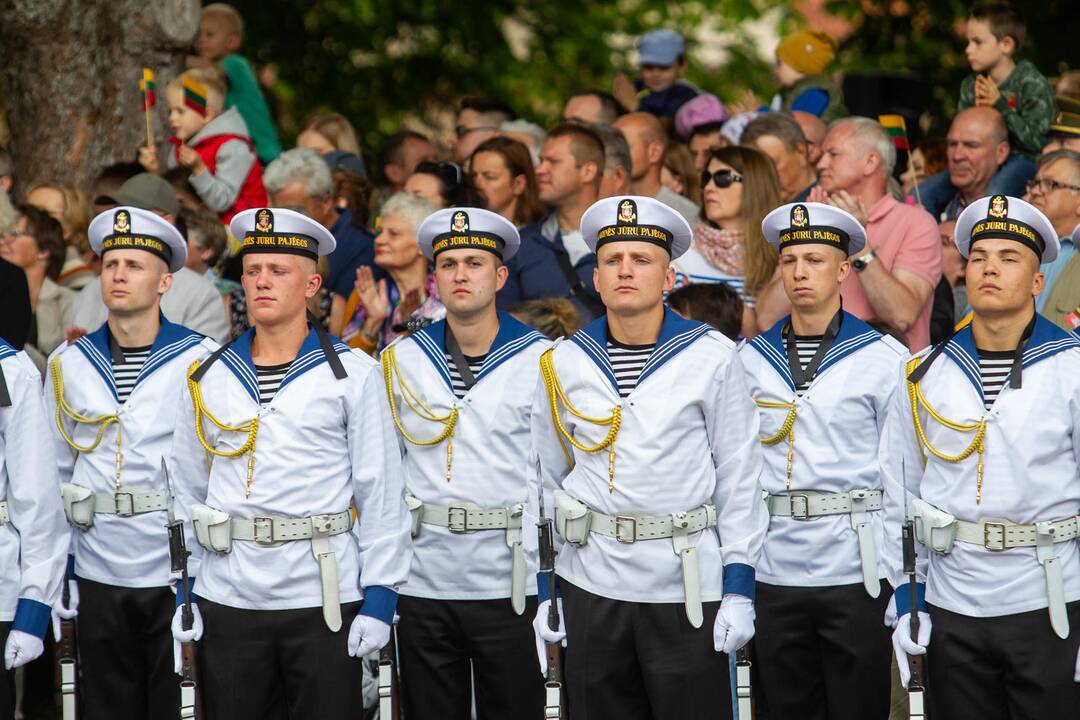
(721, 178)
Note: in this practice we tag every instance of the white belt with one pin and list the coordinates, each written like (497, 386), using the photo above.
(809, 504)
(215, 531)
(126, 504)
(3, 512)
(464, 518)
(574, 521)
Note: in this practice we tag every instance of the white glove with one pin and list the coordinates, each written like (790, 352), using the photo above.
(903, 645)
(21, 648)
(183, 636)
(890, 613)
(366, 635)
(59, 612)
(544, 634)
(734, 624)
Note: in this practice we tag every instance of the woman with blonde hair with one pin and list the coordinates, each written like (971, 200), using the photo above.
(739, 188)
(69, 207)
(326, 132)
(678, 173)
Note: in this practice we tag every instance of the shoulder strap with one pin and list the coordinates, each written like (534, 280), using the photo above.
(458, 357)
(327, 348)
(5, 396)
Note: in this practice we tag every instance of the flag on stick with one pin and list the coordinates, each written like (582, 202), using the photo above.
(149, 89)
(894, 125)
(194, 94)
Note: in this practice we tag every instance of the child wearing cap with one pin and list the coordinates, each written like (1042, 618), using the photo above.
(662, 61)
(213, 142)
(221, 32)
(801, 60)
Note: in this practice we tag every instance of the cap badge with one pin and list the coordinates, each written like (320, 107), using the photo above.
(799, 216)
(459, 222)
(264, 221)
(121, 222)
(627, 213)
(999, 207)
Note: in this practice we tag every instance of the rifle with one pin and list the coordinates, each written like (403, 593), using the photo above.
(554, 699)
(66, 667)
(742, 684)
(389, 686)
(190, 697)
(917, 683)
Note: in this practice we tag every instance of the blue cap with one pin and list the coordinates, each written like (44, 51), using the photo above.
(336, 159)
(660, 47)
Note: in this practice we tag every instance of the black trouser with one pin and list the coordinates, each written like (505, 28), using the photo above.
(440, 639)
(125, 653)
(7, 680)
(277, 664)
(1007, 667)
(822, 652)
(641, 661)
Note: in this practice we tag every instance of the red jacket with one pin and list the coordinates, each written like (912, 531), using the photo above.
(252, 194)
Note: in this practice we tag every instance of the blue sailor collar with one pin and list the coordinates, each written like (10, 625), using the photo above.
(1046, 340)
(513, 337)
(171, 340)
(676, 333)
(6, 350)
(237, 357)
(854, 334)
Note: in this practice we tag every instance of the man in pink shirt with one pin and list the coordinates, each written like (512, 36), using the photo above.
(894, 277)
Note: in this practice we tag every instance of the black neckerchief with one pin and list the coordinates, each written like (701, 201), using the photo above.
(5, 396)
(805, 376)
(459, 360)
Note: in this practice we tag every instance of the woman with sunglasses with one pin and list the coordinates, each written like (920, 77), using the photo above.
(739, 188)
(443, 185)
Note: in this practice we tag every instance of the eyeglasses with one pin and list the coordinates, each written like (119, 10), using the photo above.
(722, 178)
(12, 233)
(1045, 186)
(461, 131)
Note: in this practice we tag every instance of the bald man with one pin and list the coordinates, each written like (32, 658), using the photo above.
(648, 141)
(814, 129)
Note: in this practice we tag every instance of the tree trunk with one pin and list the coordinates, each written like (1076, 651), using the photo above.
(70, 72)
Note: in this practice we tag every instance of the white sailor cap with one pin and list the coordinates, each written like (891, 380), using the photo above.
(1007, 218)
(278, 230)
(814, 223)
(128, 227)
(633, 217)
(468, 227)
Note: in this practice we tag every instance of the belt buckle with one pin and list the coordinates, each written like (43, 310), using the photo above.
(622, 521)
(988, 544)
(805, 514)
(263, 530)
(119, 498)
(457, 519)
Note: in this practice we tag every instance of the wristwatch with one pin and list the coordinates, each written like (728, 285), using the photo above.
(862, 261)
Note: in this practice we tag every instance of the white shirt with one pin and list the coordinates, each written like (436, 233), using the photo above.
(837, 433)
(490, 460)
(575, 245)
(123, 551)
(689, 435)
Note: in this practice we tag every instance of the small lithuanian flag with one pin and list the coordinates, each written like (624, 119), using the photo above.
(148, 88)
(894, 125)
(194, 94)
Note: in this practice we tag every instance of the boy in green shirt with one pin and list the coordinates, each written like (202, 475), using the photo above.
(221, 31)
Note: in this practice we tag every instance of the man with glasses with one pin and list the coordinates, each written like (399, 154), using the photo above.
(1055, 190)
(478, 120)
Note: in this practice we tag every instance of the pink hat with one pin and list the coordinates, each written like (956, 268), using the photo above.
(703, 109)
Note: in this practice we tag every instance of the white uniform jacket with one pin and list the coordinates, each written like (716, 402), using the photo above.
(323, 446)
(123, 551)
(34, 536)
(1032, 446)
(837, 432)
(491, 450)
(689, 436)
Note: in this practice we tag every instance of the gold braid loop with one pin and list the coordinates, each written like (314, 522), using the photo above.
(251, 427)
(449, 421)
(556, 395)
(102, 421)
(978, 443)
(786, 432)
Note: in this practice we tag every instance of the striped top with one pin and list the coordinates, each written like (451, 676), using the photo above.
(270, 377)
(627, 362)
(806, 346)
(475, 365)
(994, 368)
(127, 372)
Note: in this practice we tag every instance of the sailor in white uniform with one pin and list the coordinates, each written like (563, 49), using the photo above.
(111, 399)
(287, 472)
(461, 393)
(981, 449)
(33, 534)
(823, 381)
(647, 440)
